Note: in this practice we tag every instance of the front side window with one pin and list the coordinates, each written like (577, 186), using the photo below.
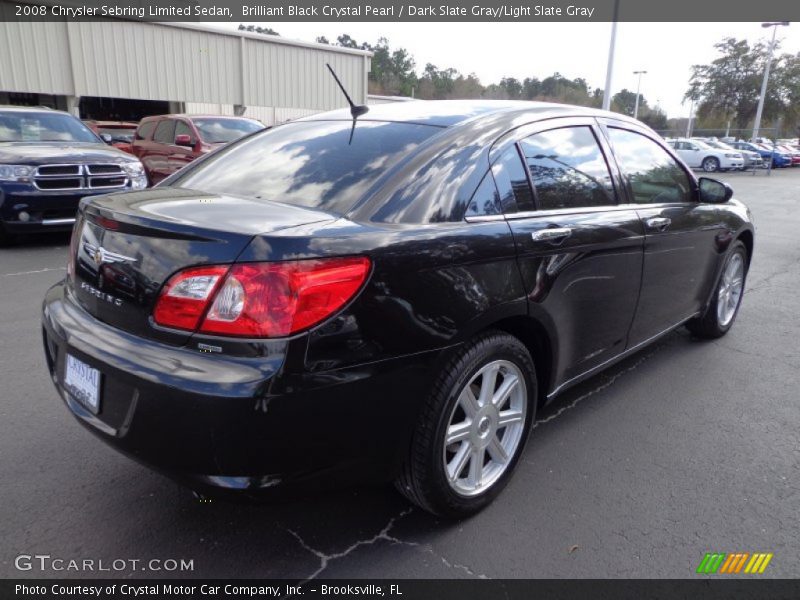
(182, 128)
(568, 169)
(165, 132)
(653, 175)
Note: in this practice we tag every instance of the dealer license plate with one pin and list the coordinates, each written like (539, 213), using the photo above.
(83, 383)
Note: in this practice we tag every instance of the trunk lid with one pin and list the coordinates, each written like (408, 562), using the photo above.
(126, 246)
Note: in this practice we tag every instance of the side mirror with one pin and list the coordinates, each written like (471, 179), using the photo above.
(183, 139)
(714, 192)
(106, 137)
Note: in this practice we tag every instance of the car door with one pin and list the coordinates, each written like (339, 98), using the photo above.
(680, 251)
(161, 149)
(142, 141)
(579, 251)
(180, 156)
(689, 153)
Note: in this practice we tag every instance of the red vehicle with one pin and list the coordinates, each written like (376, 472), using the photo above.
(792, 151)
(115, 133)
(167, 143)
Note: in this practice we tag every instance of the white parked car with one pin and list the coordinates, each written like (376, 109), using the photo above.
(699, 155)
(751, 159)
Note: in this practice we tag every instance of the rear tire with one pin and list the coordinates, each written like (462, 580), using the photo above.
(721, 312)
(472, 428)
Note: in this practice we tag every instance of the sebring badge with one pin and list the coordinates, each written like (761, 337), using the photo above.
(100, 255)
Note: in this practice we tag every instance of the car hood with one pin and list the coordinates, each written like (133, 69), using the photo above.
(44, 153)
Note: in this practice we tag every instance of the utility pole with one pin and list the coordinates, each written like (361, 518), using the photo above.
(760, 110)
(689, 122)
(638, 85)
(610, 67)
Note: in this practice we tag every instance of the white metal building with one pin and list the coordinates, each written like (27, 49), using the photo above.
(152, 68)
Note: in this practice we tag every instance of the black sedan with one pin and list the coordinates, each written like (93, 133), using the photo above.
(388, 298)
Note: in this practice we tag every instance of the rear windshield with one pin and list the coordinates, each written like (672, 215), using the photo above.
(43, 127)
(311, 164)
(222, 131)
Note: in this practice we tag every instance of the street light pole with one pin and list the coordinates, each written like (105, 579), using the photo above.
(610, 67)
(761, 98)
(638, 86)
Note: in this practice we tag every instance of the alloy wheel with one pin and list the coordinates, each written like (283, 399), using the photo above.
(485, 428)
(730, 289)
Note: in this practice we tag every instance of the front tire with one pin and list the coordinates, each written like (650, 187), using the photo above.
(710, 164)
(473, 427)
(724, 306)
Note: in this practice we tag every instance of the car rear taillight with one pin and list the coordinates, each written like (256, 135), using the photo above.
(260, 299)
(184, 299)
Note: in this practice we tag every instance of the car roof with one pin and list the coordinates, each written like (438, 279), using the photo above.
(449, 113)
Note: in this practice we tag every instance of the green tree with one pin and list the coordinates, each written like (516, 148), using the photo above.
(624, 101)
(261, 30)
(728, 88)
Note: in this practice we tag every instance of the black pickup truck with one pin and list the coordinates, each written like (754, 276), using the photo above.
(49, 160)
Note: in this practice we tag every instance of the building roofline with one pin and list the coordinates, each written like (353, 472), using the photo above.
(269, 39)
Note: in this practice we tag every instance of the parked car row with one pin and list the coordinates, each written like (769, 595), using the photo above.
(49, 160)
(711, 154)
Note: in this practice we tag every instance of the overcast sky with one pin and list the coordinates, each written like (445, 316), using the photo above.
(495, 50)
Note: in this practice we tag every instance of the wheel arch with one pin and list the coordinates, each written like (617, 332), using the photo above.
(538, 342)
(746, 237)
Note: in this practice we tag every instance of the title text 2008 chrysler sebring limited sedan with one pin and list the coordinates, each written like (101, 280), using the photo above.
(388, 298)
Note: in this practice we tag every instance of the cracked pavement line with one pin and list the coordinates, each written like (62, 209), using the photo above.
(383, 535)
(600, 388)
(46, 270)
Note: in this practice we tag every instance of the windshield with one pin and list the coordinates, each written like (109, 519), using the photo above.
(222, 131)
(701, 145)
(43, 127)
(308, 163)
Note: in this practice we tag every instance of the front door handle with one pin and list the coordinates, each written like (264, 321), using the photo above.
(553, 235)
(659, 223)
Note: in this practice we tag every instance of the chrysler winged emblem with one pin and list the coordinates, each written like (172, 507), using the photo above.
(100, 255)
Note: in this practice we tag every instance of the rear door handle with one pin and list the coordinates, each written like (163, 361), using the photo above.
(658, 223)
(553, 235)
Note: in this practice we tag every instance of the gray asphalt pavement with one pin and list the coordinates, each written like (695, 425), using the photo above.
(685, 448)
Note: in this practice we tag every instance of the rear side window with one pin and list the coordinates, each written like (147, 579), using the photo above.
(568, 169)
(485, 201)
(145, 129)
(653, 175)
(512, 182)
(308, 163)
(165, 132)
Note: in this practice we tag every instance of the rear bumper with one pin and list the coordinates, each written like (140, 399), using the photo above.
(212, 421)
